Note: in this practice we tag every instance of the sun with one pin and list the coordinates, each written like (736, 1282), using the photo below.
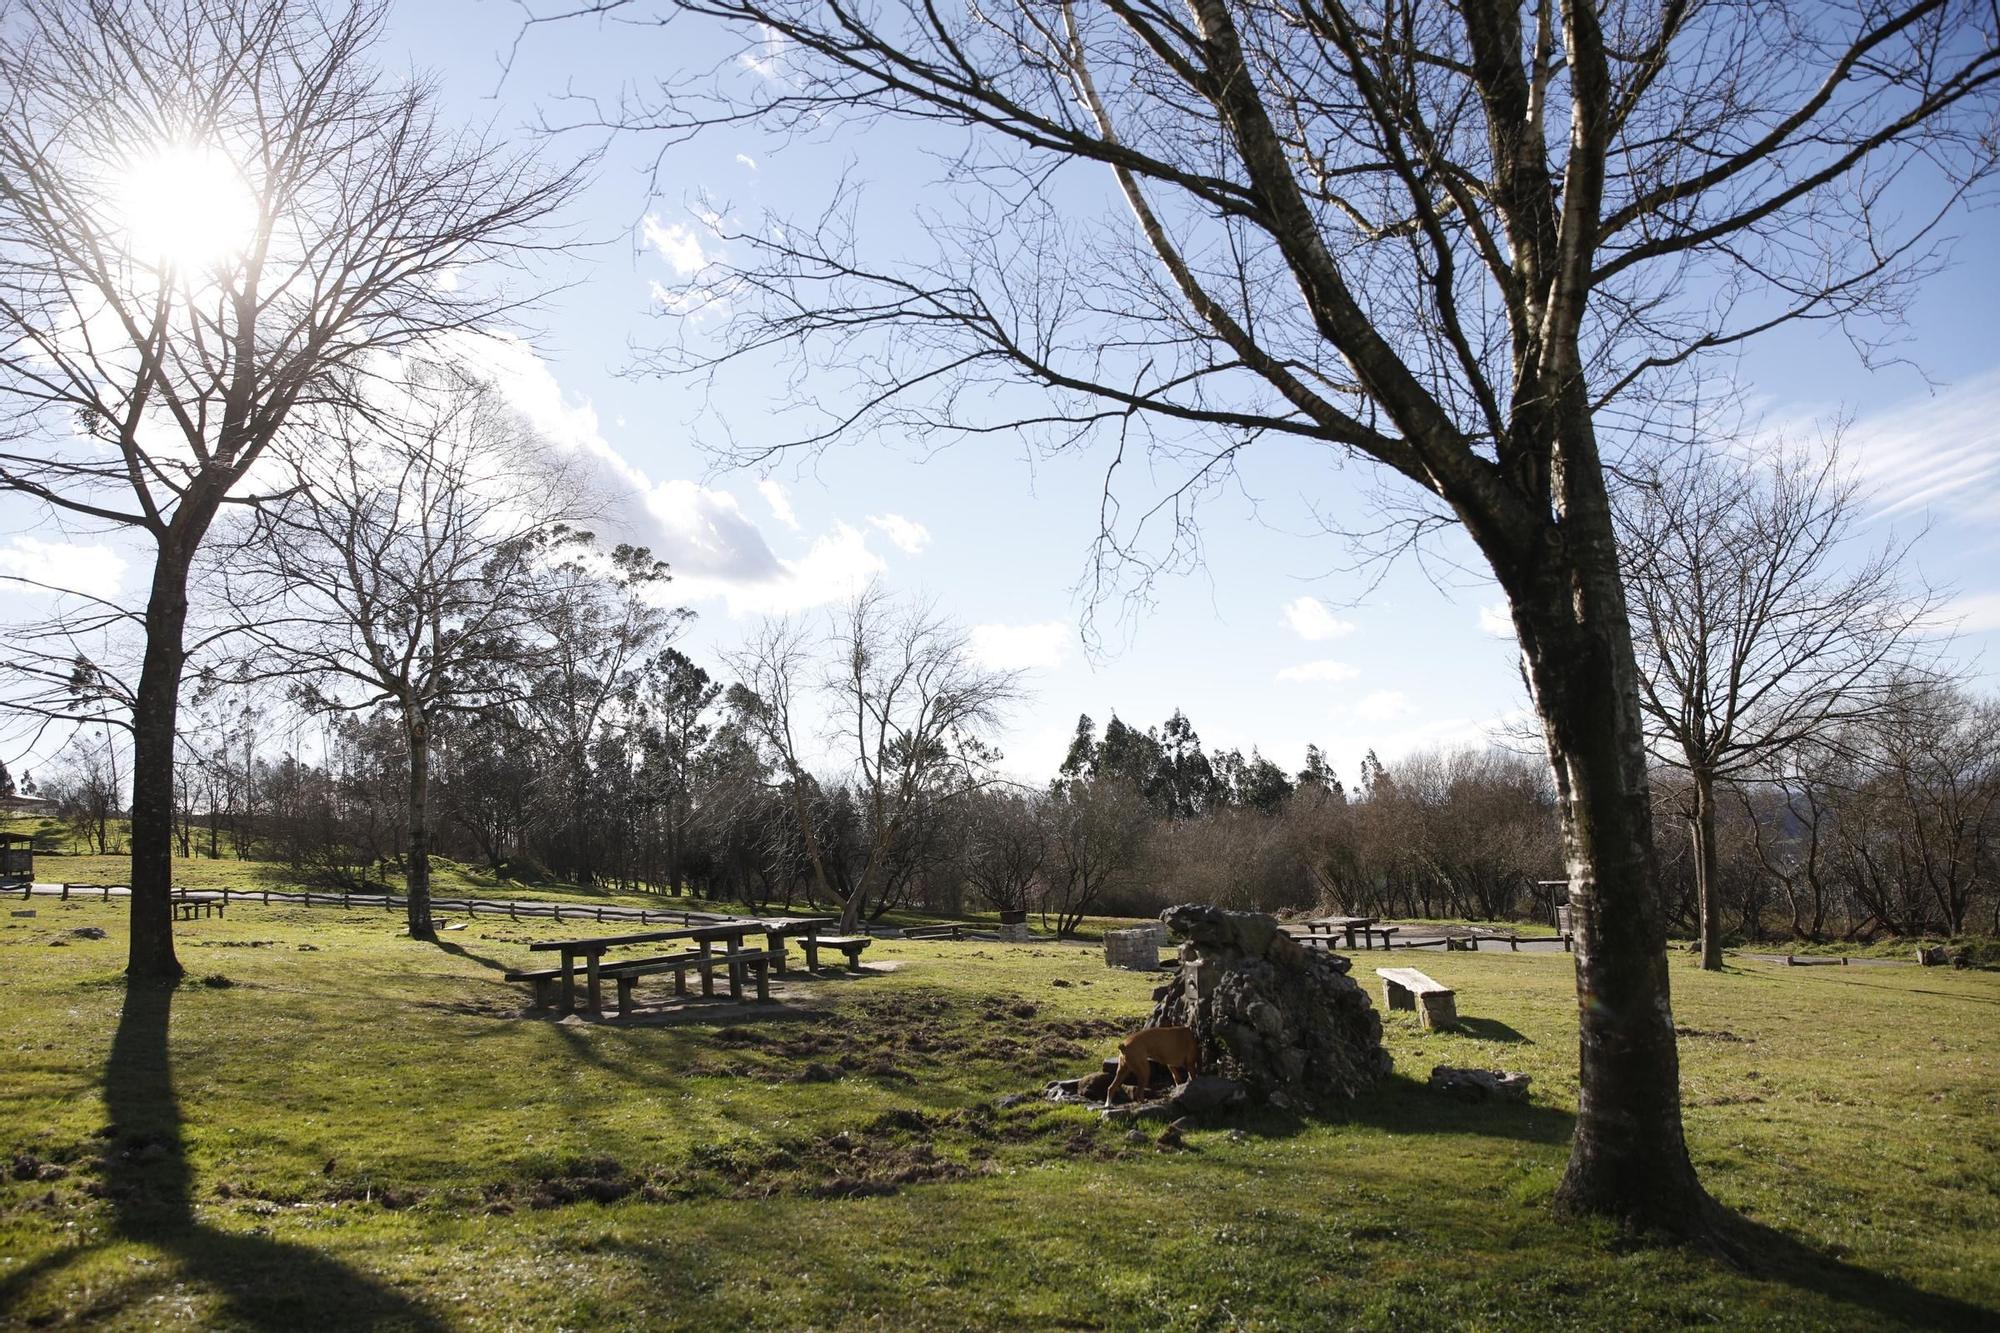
(185, 207)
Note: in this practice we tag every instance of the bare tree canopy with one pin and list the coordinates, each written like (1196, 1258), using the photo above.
(212, 215)
(1473, 244)
(403, 568)
(907, 709)
(1756, 632)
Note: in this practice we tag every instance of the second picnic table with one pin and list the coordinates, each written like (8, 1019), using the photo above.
(1345, 924)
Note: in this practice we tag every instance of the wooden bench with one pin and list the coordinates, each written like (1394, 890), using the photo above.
(545, 980)
(948, 931)
(851, 945)
(753, 963)
(1407, 988)
(189, 906)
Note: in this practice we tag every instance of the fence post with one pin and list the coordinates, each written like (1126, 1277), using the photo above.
(65, 891)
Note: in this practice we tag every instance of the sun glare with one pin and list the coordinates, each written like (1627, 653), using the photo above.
(186, 207)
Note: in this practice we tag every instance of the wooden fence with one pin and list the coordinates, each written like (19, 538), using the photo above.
(513, 909)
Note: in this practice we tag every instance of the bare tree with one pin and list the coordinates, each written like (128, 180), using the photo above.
(1471, 243)
(1756, 629)
(1099, 828)
(907, 708)
(1006, 845)
(213, 213)
(404, 569)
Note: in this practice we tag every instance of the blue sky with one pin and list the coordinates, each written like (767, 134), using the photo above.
(1275, 641)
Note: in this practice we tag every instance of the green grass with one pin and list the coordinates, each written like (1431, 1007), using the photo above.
(364, 1133)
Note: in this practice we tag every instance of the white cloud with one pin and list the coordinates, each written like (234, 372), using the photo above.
(767, 58)
(94, 571)
(909, 537)
(1014, 647)
(678, 244)
(1311, 621)
(838, 565)
(715, 549)
(1974, 613)
(781, 504)
(1384, 706)
(747, 160)
(1497, 620)
(1326, 669)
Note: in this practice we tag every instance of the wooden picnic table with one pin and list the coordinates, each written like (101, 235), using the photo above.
(1346, 925)
(592, 952)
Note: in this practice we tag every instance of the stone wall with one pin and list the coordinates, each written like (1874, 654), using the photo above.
(1137, 948)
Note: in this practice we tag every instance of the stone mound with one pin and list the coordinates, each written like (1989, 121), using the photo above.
(1285, 1021)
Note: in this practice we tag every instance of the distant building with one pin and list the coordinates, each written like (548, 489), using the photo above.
(26, 805)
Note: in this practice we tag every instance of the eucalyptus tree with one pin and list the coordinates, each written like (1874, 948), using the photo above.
(1472, 244)
(210, 209)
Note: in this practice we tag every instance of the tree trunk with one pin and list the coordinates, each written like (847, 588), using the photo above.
(1628, 1159)
(150, 955)
(1708, 897)
(417, 875)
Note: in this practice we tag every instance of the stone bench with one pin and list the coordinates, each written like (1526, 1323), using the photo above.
(851, 945)
(1407, 988)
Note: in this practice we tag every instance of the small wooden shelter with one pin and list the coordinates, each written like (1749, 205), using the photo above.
(17, 859)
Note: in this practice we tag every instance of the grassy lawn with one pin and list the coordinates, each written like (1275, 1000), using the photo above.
(363, 1132)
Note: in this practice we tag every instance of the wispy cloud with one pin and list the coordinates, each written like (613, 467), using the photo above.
(781, 503)
(1940, 453)
(910, 537)
(677, 243)
(1497, 620)
(1325, 670)
(1014, 647)
(747, 160)
(1310, 620)
(766, 58)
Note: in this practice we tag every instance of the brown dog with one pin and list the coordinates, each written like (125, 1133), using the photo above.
(1175, 1047)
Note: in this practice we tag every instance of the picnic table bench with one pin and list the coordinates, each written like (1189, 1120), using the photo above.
(1407, 988)
(949, 930)
(851, 945)
(741, 964)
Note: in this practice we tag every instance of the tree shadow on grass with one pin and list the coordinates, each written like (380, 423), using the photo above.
(460, 951)
(1771, 1255)
(263, 1283)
